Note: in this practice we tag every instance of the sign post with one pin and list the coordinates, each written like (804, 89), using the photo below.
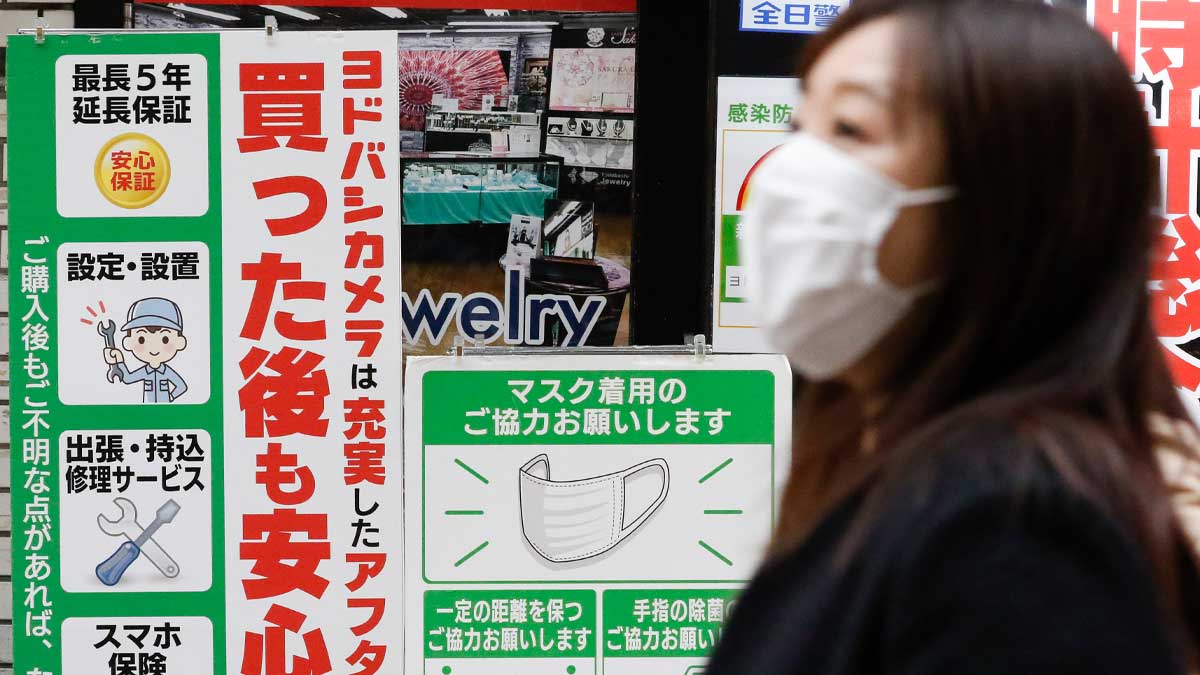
(205, 243)
(585, 514)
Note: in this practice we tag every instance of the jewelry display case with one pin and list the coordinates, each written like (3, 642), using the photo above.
(442, 188)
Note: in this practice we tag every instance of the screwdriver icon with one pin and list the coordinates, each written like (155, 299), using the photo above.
(110, 571)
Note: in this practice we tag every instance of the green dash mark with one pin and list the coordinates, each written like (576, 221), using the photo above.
(703, 545)
(464, 513)
(475, 473)
(482, 546)
(722, 512)
(717, 470)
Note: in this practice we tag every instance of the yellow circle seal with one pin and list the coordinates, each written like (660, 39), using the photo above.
(132, 171)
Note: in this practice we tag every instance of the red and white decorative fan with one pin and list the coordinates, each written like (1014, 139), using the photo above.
(464, 75)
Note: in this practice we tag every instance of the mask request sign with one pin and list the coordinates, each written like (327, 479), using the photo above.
(585, 514)
(206, 322)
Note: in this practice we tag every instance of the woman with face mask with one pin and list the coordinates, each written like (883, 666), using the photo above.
(954, 253)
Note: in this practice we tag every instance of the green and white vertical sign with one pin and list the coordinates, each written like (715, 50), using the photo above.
(754, 115)
(585, 514)
(200, 418)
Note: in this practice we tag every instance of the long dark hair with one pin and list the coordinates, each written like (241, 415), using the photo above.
(1043, 318)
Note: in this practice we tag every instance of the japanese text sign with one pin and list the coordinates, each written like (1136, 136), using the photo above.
(790, 16)
(754, 116)
(585, 514)
(206, 318)
(1156, 39)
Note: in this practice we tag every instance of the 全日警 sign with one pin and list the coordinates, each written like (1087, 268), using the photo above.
(789, 16)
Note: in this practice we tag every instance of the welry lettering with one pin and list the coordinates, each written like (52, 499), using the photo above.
(518, 319)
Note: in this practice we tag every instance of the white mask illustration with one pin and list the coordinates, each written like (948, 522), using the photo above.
(811, 234)
(572, 520)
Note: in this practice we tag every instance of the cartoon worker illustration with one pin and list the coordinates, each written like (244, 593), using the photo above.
(154, 334)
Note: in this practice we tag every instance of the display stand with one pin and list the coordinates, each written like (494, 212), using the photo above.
(458, 206)
(460, 130)
(589, 120)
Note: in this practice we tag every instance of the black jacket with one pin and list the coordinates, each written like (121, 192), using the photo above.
(976, 567)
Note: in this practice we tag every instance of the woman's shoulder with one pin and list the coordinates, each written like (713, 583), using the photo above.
(983, 556)
(1005, 463)
(977, 460)
(997, 500)
(994, 479)
(1018, 559)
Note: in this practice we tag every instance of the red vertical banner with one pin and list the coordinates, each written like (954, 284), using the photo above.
(1154, 38)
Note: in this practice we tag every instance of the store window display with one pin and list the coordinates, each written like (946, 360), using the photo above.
(505, 114)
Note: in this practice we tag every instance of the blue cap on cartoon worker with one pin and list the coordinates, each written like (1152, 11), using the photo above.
(153, 334)
(154, 312)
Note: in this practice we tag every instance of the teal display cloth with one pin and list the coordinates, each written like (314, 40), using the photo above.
(457, 206)
(499, 206)
(440, 208)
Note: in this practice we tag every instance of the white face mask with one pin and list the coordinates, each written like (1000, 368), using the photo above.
(573, 520)
(811, 235)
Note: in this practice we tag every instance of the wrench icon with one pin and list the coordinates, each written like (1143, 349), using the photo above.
(127, 526)
(108, 331)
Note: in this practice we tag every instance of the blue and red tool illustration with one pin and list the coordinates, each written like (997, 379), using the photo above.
(139, 541)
